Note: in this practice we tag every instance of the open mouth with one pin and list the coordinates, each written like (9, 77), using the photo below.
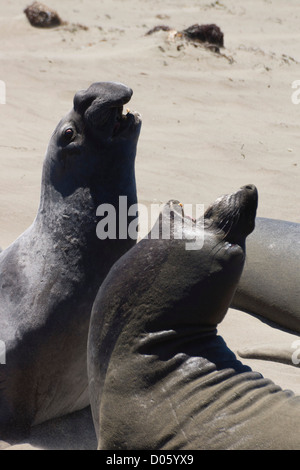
(178, 209)
(122, 121)
(186, 216)
(101, 108)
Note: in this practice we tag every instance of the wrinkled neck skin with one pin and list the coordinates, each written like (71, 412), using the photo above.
(176, 315)
(182, 294)
(160, 377)
(68, 205)
(169, 321)
(180, 387)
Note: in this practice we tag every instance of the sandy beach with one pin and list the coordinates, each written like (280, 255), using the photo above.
(212, 122)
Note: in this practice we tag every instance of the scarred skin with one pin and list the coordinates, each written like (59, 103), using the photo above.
(159, 375)
(50, 275)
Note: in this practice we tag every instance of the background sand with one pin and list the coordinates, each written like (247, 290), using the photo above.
(211, 123)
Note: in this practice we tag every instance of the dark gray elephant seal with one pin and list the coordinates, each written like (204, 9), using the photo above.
(269, 286)
(51, 274)
(159, 375)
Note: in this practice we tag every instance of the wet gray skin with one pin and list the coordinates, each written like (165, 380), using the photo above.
(159, 375)
(50, 275)
(269, 286)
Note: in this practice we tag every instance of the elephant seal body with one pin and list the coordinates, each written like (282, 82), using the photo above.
(269, 286)
(159, 375)
(50, 275)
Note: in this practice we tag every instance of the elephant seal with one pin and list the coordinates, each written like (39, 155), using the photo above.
(269, 286)
(159, 375)
(51, 274)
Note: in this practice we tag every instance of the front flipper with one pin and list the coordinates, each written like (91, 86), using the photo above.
(284, 353)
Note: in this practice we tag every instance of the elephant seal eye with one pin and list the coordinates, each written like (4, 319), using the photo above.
(68, 133)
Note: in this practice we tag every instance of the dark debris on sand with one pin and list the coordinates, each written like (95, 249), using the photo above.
(41, 16)
(206, 33)
(210, 33)
(158, 28)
